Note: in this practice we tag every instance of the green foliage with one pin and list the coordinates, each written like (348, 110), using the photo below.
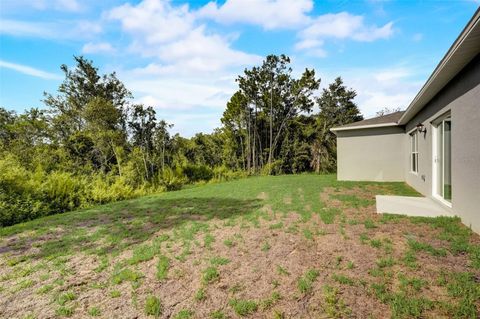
(126, 275)
(210, 275)
(305, 283)
(195, 173)
(219, 261)
(344, 280)
(200, 294)
(65, 297)
(184, 314)
(153, 306)
(63, 311)
(94, 146)
(243, 307)
(334, 306)
(217, 314)
(94, 311)
(162, 267)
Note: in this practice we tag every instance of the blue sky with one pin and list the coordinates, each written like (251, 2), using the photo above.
(182, 56)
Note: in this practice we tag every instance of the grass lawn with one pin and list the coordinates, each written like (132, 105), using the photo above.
(301, 246)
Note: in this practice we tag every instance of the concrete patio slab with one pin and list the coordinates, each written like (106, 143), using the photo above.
(411, 206)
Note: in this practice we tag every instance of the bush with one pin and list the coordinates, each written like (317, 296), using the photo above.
(196, 173)
(63, 191)
(222, 174)
(171, 180)
(19, 196)
(108, 189)
(274, 168)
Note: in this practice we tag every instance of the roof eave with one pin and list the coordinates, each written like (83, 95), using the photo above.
(361, 127)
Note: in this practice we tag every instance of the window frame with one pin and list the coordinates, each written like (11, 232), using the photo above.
(414, 152)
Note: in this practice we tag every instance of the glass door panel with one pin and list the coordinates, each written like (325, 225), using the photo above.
(443, 160)
(447, 160)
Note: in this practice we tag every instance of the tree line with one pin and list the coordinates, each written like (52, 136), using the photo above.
(91, 144)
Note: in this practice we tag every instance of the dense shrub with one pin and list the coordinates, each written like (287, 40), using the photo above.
(25, 194)
(222, 173)
(62, 191)
(171, 179)
(104, 189)
(196, 173)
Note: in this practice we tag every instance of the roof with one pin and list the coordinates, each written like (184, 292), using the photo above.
(465, 48)
(379, 121)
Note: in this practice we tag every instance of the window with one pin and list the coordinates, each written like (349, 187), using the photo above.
(414, 152)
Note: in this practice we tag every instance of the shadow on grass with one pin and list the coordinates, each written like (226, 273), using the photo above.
(114, 227)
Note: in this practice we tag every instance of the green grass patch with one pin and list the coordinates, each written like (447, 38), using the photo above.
(142, 253)
(184, 314)
(163, 265)
(243, 307)
(334, 306)
(305, 282)
(210, 275)
(153, 306)
(94, 311)
(219, 261)
(344, 280)
(62, 299)
(63, 311)
(419, 246)
(126, 275)
(218, 314)
(353, 200)
(200, 295)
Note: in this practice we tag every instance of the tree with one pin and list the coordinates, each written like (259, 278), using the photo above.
(142, 125)
(80, 87)
(387, 110)
(270, 98)
(336, 108)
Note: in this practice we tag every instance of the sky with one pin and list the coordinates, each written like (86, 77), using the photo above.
(182, 57)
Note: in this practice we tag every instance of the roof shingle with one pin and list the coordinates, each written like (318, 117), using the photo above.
(389, 118)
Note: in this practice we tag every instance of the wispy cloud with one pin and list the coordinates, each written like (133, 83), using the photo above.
(269, 14)
(77, 29)
(99, 47)
(58, 5)
(25, 69)
(344, 26)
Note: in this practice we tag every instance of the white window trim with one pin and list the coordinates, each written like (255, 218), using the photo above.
(435, 125)
(414, 151)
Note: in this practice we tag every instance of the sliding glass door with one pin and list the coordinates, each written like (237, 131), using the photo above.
(443, 159)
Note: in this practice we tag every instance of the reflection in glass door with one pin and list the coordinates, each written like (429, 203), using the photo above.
(443, 160)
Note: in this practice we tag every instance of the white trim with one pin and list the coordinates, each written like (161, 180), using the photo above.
(359, 127)
(441, 121)
(442, 201)
(413, 137)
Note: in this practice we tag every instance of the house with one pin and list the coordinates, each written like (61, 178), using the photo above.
(434, 145)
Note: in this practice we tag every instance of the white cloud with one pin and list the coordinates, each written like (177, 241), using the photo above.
(25, 69)
(391, 87)
(171, 35)
(188, 66)
(343, 26)
(59, 5)
(78, 29)
(99, 47)
(155, 21)
(270, 14)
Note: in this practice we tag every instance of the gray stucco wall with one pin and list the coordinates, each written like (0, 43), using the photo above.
(461, 97)
(371, 154)
(383, 154)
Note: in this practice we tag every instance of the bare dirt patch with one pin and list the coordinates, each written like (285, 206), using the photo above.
(263, 257)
